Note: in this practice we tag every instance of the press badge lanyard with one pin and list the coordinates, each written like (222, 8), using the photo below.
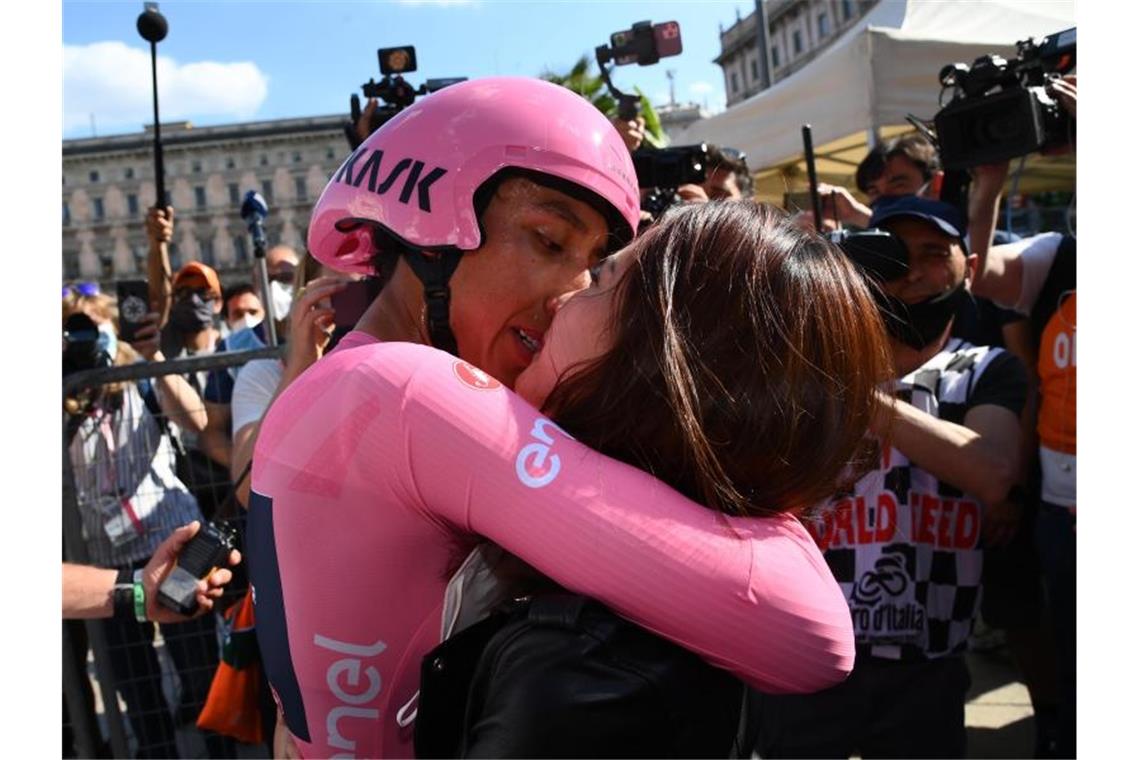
(112, 474)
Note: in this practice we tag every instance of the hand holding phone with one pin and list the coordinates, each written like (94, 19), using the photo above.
(134, 297)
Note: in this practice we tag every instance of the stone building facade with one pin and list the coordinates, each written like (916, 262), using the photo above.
(798, 31)
(108, 186)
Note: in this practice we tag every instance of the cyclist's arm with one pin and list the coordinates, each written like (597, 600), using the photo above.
(752, 596)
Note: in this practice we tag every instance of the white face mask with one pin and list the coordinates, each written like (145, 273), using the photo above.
(282, 297)
(247, 321)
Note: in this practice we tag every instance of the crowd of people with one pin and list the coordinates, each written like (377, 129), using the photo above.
(576, 482)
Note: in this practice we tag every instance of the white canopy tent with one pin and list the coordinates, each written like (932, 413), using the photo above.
(873, 76)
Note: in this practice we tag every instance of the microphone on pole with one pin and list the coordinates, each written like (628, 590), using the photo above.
(254, 209)
(152, 27)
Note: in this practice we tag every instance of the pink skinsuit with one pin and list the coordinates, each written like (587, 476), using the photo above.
(380, 468)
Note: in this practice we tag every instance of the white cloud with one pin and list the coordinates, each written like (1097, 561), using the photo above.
(112, 81)
(700, 88)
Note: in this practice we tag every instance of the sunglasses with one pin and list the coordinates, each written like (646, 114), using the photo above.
(81, 289)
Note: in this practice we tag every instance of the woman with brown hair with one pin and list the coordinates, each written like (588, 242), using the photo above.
(726, 351)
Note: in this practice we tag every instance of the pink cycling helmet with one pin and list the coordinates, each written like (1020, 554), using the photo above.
(417, 176)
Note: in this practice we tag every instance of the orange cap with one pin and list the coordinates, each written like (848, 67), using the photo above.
(198, 275)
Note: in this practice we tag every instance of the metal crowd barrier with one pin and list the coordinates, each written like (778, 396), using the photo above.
(141, 688)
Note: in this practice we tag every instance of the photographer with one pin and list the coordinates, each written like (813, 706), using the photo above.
(727, 178)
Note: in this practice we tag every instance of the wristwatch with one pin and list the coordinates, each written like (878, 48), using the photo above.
(123, 594)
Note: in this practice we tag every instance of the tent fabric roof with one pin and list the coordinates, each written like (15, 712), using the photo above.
(875, 74)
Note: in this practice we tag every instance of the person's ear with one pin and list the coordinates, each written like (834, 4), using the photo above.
(971, 268)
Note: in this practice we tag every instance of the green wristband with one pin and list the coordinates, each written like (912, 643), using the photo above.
(140, 597)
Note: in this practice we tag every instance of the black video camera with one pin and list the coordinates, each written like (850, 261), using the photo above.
(644, 43)
(392, 90)
(664, 170)
(1001, 109)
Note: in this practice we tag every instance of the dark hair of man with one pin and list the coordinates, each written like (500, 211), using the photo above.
(233, 291)
(871, 167)
(738, 166)
(745, 356)
(918, 150)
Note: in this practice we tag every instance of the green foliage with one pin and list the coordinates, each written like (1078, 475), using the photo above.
(582, 80)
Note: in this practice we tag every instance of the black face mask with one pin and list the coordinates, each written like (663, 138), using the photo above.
(920, 324)
(191, 314)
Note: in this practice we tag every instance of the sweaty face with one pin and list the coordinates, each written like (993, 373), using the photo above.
(539, 245)
(900, 177)
(936, 260)
(580, 331)
(720, 185)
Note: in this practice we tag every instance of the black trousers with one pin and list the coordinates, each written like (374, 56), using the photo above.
(138, 678)
(884, 709)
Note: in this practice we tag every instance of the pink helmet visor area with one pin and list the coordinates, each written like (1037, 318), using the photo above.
(417, 176)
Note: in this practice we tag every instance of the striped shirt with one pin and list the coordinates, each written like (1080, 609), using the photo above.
(125, 483)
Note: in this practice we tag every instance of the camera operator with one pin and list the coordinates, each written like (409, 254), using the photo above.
(1037, 278)
(909, 558)
(727, 178)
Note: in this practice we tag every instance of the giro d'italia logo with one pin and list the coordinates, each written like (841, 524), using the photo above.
(132, 308)
(473, 377)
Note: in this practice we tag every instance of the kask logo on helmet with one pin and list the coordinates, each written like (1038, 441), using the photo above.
(413, 182)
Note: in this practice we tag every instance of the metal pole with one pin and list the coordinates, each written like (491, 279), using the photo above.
(813, 183)
(263, 281)
(159, 170)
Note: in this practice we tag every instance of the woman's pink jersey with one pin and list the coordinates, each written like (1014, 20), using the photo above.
(381, 467)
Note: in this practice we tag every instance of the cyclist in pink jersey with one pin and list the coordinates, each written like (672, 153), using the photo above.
(383, 465)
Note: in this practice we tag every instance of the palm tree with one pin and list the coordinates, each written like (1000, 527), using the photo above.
(582, 80)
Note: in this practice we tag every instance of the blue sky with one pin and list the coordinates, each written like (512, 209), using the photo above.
(236, 61)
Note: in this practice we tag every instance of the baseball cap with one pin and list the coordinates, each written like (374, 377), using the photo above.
(198, 275)
(942, 215)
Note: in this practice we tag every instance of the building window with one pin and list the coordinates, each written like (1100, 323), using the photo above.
(824, 25)
(297, 157)
(133, 204)
(66, 214)
(175, 255)
(107, 265)
(846, 10)
(129, 173)
(797, 43)
(302, 191)
(94, 176)
(755, 69)
(196, 167)
(735, 83)
(97, 208)
(71, 265)
(264, 160)
(775, 57)
(330, 154)
(138, 253)
(206, 251)
(200, 197)
(267, 190)
(230, 163)
(241, 255)
(235, 196)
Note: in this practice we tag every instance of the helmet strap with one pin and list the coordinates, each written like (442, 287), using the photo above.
(435, 272)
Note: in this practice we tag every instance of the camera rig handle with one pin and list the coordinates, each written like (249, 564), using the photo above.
(628, 105)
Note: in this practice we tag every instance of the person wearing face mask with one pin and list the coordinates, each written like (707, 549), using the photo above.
(281, 264)
(905, 544)
(130, 498)
(242, 308)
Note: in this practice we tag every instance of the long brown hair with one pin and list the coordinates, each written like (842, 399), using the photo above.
(745, 356)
